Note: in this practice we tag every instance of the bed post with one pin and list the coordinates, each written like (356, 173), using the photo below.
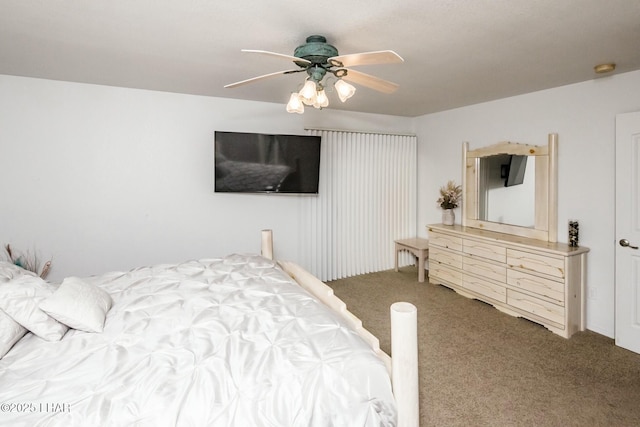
(404, 362)
(267, 244)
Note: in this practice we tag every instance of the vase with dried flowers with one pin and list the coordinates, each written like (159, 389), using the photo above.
(450, 195)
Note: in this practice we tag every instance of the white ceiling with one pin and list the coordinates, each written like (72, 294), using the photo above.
(457, 52)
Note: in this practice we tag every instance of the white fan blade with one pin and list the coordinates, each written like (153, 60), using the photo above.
(366, 58)
(371, 82)
(265, 76)
(278, 55)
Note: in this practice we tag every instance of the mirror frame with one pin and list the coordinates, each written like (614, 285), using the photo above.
(546, 188)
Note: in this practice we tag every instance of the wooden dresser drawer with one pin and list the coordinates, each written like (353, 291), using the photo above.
(438, 272)
(441, 256)
(445, 241)
(544, 309)
(484, 250)
(484, 287)
(536, 284)
(482, 268)
(546, 264)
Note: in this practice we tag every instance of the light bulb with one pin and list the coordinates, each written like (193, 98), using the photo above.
(308, 92)
(321, 100)
(295, 105)
(344, 89)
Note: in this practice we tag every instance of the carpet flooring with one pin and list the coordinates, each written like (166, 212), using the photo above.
(481, 367)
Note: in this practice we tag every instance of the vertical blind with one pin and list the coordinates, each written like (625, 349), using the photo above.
(367, 198)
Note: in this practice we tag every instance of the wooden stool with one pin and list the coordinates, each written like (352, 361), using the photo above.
(419, 248)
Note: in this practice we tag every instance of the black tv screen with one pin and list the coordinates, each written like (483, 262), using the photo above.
(517, 167)
(261, 163)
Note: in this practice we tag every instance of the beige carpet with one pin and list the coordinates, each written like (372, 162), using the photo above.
(481, 367)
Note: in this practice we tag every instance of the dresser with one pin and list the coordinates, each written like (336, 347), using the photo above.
(534, 279)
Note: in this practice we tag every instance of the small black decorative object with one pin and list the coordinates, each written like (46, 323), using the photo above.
(573, 232)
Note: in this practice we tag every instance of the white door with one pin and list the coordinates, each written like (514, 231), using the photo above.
(627, 321)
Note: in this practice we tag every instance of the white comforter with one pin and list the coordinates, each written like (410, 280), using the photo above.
(216, 342)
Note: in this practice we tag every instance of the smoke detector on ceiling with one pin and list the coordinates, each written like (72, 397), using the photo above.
(604, 68)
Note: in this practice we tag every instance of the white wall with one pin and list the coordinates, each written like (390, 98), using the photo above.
(584, 117)
(102, 178)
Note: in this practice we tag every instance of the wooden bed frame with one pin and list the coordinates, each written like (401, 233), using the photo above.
(403, 367)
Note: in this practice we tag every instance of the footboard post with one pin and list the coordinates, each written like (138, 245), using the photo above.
(404, 362)
(267, 244)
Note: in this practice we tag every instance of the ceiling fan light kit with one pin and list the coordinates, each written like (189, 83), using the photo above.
(322, 100)
(295, 104)
(344, 89)
(308, 93)
(314, 94)
(318, 58)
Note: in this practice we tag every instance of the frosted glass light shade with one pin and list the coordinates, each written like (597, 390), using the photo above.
(344, 89)
(295, 105)
(322, 100)
(308, 93)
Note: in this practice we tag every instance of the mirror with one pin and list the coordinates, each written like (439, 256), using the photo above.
(507, 189)
(512, 188)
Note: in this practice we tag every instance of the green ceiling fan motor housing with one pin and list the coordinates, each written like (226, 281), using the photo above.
(317, 51)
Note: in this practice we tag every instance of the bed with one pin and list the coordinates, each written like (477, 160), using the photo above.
(230, 341)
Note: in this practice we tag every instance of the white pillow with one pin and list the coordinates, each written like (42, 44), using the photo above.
(10, 271)
(78, 304)
(19, 298)
(10, 333)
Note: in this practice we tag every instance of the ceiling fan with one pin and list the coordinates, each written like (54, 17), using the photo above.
(318, 58)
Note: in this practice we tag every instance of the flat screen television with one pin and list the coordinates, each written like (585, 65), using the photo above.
(517, 167)
(262, 163)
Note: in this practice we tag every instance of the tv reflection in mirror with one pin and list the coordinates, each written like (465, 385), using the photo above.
(506, 186)
(515, 170)
(264, 163)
